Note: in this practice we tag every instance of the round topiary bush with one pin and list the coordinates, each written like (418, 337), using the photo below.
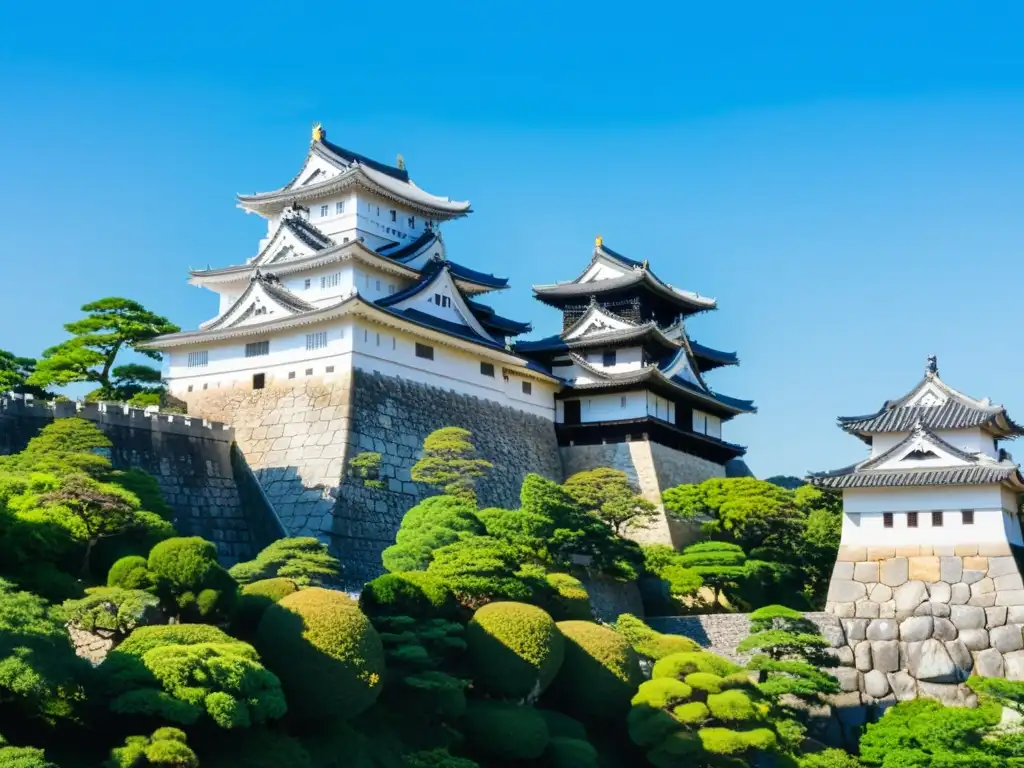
(514, 649)
(254, 601)
(144, 639)
(413, 593)
(131, 572)
(600, 674)
(325, 651)
(505, 731)
(185, 561)
(571, 602)
(570, 753)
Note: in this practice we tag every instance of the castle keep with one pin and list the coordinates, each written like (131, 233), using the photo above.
(351, 331)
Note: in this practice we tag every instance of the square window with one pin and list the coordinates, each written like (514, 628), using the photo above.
(339, 207)
(205, 386)
(967, 516)
(887, 519)
(323, 210)
(330, 369)
(911, 519)
(936, 519)
(424, 351)
(487, 369)
(609, 358)
(259, 380)
(309, 371)
(316, 340)
(189, 387)
(527, 388)
(291, 374)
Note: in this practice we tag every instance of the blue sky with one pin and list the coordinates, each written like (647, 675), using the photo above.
(847, 180)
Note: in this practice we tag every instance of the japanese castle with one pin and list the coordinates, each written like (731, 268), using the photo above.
(353, 273)
(935, 474)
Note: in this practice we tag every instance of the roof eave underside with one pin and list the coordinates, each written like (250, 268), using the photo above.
(850, 477)
(730, 405)
(559, 294)
(960, 416)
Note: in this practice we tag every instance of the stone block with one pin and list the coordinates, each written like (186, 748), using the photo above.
(975, 639)
(885, 655)
(944, 629)
(910, 550)
(894, 572)
(965, 550)
(972, 577)
(1015, 614)
(1013, 665)
(950, 694)
(961, 657)
(862, 656)
(983, 601)
(880, 552)
(943, 550)
(844, 610)
(976, 563)
(866, 572)
(989, 663)
(887, 610)
(908, 596)
(1011, 597)
(876, 684)
(1006, 638)
(940, 591)
(995, 616)
(916, 629)
(959, 594)
(994, 549)
(924, 568)
(951, 569)
(880, 593)
(967, 617)
(903, 685)
(932, 608)
(845, 656)
(855, 629)
(929, 661)
(852, 554)
(1008, 582)
(882, 629)
(866, 609)
(983, 587)
(843, 571)
(849, 678)
(842, 591)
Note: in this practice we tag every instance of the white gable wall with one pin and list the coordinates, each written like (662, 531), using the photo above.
(603, 270)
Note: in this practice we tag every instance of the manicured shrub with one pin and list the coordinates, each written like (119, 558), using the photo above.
(515, 649)
(563, 752)
(563, 726)
(114, 609)
(599, 675)
(647, 642)
(480, 569)
(437, 758)
(431, 524)
(187, 567)
(256, 748)
(678, 665)
(661, 692)
(254, 601)
(505, 731)
(570, 601)
(167, 748)
(413, 593)
(131, 572)
(24, 757)
(303, 559)
(830, 758)
(329, 657)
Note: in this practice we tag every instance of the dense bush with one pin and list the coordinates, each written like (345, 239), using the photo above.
(304, 560)
(515, 650)
(505, 731)
(167, 747)
(431, 524)
(195, 585)
(131, 572)
(256, 597)
(413, 593)
(599, 674)
(648, 643)
(329, 657)
(114, 609)
(569, 600)
(480, 569)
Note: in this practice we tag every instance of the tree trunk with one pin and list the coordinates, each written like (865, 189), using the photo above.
(105, 373)
(88, 553)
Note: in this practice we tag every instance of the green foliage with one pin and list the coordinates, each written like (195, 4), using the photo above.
(608, 494)
(66, 445)
(830, 758)
(667, 564)
(1008, 693)
(254, 601)
(526, 532)
(257, 748)
(415, 594)
(599, 674)
(570, 600)
(23, 757)
(166, 748)
(646, 642)
(679, 665)
(194, 584)
(480, 569)
(14, 373)
(304, 560)
(505, 731)
(329, 657)
(437, 758)
(132, 572)
(564, 752)
(515, 649)
(110, 325)
(365, 467)
(449, 463)
(113, 608)
(431, 524)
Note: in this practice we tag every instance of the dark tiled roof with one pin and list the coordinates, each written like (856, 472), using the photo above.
(491, 319)
(952, 414)
(636, 278)
(635, 333)
(624, 260)
(307, 233)
(712, 358)
(347, 156)
(445, 326)
(398, 252)
(460, 272)
(281, 294)
(973, 475)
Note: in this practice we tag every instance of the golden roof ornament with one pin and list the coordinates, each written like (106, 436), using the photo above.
(319, 134)
(598, 241)
(400, 162)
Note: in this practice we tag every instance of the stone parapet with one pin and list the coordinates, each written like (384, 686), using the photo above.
(918, 621)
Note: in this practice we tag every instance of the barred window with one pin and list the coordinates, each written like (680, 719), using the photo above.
(339, 207)
(316, 340)
(323, 210)
(257, 349)
(936, 519)
(911, 519)
(198, 359)
(967, 515)
(330, 281)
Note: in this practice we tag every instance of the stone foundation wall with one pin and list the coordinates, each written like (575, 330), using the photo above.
(918, 621)
(653, 468)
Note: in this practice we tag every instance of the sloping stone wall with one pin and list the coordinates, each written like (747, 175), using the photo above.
(917, 621)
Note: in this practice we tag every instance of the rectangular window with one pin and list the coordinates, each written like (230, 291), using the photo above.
(205, 386)
(316, 340)
(609, 358)
(259, 380)
(339, 207)
(437, 299)
(911, 519)
(424, 351)
(330, 369)
(887, 519)
(936, 519)
(622, 403)
(527, 388)
(291, 374)
(378, 285)
(378, 339)
(967, 516)
(307, 283)
(330, 281)
(309, 371)
(487, 369)
(198, 359)
(189, 387)
(394, 215)
(323, 210)
(391, 288)
(412, 222)
(257, 349)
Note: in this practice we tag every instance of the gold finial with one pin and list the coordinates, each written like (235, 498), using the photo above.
(400, 162)
(598, 241)
(318, 132)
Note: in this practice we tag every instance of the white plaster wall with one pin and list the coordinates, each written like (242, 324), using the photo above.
(626, 359)
(603, 271)
(707, 424)
(660, 408)
(863, 522)
(970, 440)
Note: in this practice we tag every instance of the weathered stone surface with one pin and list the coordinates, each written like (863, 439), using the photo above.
(894, 572)
(1008, 582)
(912, 550)
(932, 608)
(883, 629)
(930, 661)
(842, 591)
(867, 609)
(960, 594)
(866, 572)
(832, 630)
(844, 610)
(945, 550)
(887, 610)
(1015, 614)
(852, 554)
(855, 629)
(961, 657)
(975, 639)
(944, 629)
(1006, 638)
(908, 596)
(843, 570)
(1012, 597)
(994, 549)
(983, 601)
(983, 587)
(976, 564)
(965, 550)
(880, 593)
(995, 616)
(885, 655)
(951, 695)
(924, 568)
(880, 552)
(989, 663)
(951, 569)
(876, 684)
(845, 656)
(903, 685)
(916, 629)
(972, 577)
(939, 591)
(1013, 665)
(862, 656)
(967, 617)
(849, 678)
(1001, 566)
